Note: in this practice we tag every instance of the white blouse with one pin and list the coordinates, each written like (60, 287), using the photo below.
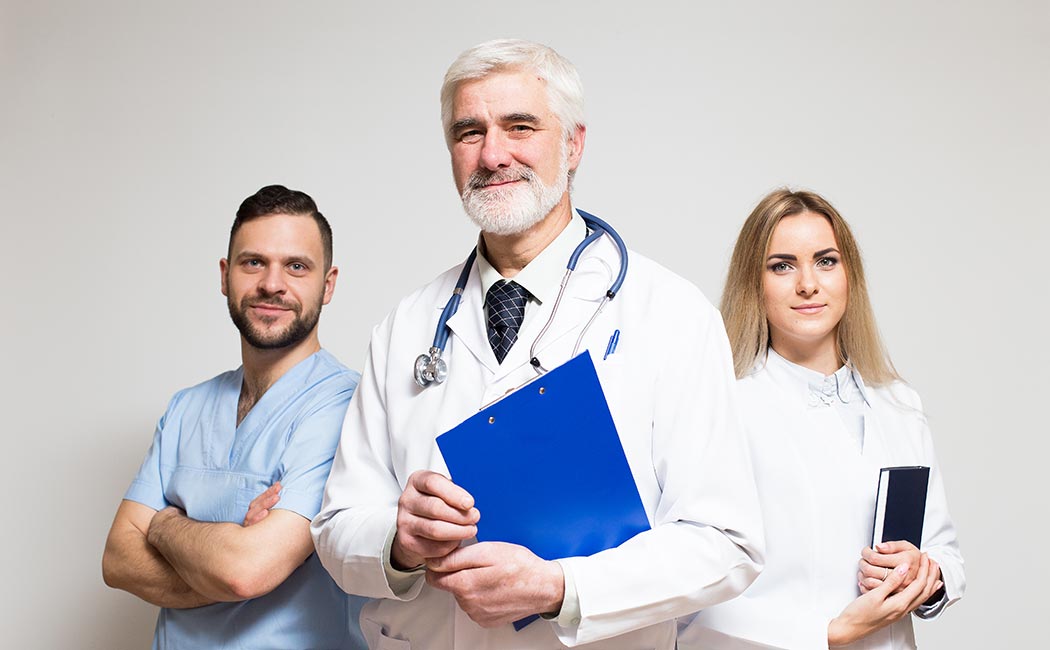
(818, 444)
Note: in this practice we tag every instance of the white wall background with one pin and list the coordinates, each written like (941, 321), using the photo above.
(130, 131)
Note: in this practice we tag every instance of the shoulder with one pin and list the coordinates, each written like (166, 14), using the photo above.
(205, 390)
(897, 394)
(654, 275)
(329, 370)
(757, 383)
(656, 286)
(412, 309)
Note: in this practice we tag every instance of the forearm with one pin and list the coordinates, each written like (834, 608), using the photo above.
(842, 631)
(675, 569)
(222, 561)
(130, 563)
(354, 545)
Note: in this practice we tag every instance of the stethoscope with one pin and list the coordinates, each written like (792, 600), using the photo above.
(430, 368)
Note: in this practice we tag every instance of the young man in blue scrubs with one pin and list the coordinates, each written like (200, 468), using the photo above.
(215, 527)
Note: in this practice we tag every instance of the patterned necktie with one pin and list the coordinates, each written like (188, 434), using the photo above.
(505, 302)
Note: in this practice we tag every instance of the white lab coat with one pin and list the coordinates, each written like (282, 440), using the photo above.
(818, 499)
(671, 392)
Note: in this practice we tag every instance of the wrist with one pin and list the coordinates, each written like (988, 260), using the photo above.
(158, 524)
(556, 581)
(402, 560)
(839, 633)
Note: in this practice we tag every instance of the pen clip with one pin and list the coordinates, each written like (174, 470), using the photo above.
(611, 347)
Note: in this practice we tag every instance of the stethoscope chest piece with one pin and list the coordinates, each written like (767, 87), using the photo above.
(430, 368)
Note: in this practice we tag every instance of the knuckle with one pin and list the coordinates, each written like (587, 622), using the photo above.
(430, 482)
(403, 502)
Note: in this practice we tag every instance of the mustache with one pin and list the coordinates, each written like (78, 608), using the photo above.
(480, 178)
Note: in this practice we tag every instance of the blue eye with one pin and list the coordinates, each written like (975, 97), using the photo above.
(827, 262)
(780, 267)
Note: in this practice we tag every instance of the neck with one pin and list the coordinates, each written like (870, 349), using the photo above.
(262, 368)
(509, 254)
(822, 358)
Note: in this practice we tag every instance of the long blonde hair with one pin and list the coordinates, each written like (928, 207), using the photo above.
(743, 304)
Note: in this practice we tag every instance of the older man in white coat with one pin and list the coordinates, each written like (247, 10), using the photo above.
(394, 527)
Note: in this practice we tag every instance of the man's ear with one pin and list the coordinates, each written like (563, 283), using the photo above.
(576, 142)
(223, 265)
(329, 284)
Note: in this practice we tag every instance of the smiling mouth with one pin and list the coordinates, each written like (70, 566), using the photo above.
(270, 310)
(809, 309)
(501, 183)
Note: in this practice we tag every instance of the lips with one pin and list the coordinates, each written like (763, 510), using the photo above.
(809, 308)
(270, 309)
(480, 180)
(500, 183)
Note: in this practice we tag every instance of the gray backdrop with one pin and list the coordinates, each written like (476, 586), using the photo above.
(132, 130)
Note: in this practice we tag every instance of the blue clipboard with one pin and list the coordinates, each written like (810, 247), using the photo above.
(546, 467)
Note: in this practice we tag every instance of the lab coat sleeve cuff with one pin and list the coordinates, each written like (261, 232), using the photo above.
(953, 589)
(569, 615)
(927, 611)
(405, 585)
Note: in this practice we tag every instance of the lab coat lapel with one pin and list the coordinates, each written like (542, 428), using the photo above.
(872, 447)
(584, 292)
(468, 325)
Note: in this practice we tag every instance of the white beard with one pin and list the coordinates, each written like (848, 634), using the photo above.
(515, 208)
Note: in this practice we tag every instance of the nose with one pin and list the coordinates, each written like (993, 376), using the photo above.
(494, 151)
(807, 282)
(272, 280)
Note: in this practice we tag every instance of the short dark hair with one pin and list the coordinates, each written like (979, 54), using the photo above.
(278, 199)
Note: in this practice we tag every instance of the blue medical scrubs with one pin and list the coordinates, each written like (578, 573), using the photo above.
(204, 463)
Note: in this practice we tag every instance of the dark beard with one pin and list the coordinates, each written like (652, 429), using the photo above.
(294, 333)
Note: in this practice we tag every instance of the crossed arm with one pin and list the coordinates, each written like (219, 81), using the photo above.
(170, 560)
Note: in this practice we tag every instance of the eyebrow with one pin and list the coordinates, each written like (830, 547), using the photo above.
(464, 123)
(472, 122)
(520, 117)
(286, 259)
(792, 258)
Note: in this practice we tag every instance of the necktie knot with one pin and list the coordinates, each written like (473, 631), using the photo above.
(505, 303)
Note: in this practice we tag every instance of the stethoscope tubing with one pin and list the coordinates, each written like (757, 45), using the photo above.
(426, 370)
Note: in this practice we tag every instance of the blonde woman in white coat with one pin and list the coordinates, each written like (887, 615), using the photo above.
(824, 411)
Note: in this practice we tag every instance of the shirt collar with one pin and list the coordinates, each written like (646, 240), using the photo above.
(542, 276)
(843, 384)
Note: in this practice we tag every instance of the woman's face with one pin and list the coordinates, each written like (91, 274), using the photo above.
(804, 286)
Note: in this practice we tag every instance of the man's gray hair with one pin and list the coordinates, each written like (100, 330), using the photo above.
(564, 89)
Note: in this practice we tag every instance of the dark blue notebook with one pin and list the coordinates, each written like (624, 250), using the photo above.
(900, 505)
